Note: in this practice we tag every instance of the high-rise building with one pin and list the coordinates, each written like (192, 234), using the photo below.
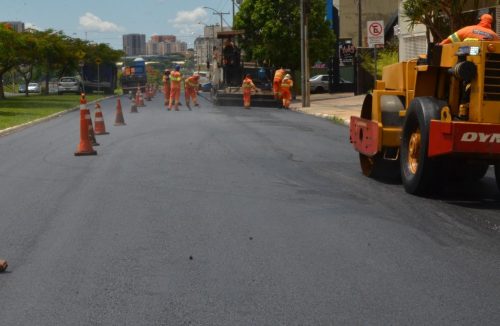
(134, 44)
(163, 38)
(165, 44)
(16, 26)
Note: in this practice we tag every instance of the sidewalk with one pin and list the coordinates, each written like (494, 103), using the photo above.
(339, 106)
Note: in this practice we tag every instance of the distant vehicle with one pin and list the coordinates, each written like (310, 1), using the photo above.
(206, 86)
(134, 75)
(102, 78)
(69, 85)
(319, 83)
(204, 81)
(32, 88)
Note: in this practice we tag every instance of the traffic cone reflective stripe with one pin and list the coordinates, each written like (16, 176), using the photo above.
(137, 99)
(119, 121)
(84, 147)
(100, 127)
(88, 117)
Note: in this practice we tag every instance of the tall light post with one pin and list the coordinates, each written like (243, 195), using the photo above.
(216, 12)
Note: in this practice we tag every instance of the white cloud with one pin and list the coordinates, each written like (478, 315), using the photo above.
(32, 26)
(187, 22)
(91, 23)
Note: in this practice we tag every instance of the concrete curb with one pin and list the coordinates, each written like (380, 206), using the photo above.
(13, 129)
(323, 115)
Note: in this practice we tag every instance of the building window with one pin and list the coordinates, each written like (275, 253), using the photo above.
(414, 46)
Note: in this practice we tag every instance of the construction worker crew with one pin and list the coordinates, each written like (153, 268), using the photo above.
(481, 31)
(286, 91)
(166, 86)
(248, 86)
(175, 88)
(191, 87)
(278, 76)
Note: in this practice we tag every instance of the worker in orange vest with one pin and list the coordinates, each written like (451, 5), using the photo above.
(481, 31)
(247, 87)
(175, 88)
(286, 90)
(166, 86)
(191, 87)
(278, 77)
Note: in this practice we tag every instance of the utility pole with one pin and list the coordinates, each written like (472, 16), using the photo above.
(215, 12)
(304, 52)
(233, 14)
(360, 34)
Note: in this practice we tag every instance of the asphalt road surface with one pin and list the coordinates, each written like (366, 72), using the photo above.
(226, 216)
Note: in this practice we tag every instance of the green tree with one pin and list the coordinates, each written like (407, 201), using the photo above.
(27, 56)
(272, 32)
(441, 17)
(9, 46)
(52, 53)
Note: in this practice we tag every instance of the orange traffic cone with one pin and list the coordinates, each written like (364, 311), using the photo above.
(100, 127)
(119, 121)
(139, 100)
(85, 147)
(3, 265)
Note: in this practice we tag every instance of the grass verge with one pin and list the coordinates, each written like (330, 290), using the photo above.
(337, 120)
(17, 110)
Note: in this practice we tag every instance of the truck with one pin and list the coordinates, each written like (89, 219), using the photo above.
(227, 76)
(134, 75)
(100, 77)
(433, 119)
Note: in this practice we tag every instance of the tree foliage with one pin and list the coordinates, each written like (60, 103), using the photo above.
(9, 45)
(50, 52)
(441, 17)
(272, 32)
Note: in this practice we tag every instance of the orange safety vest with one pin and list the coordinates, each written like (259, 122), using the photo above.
(481, 31)
(278, 75)
(175, 79)
(247, 84)
(287, 83)
(191, 82)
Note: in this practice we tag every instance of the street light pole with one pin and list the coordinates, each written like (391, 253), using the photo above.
(215, 12)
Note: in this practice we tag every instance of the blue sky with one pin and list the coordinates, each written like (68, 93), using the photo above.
(105, 21)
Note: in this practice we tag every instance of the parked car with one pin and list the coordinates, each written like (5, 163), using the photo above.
(69, 85)
(32, 88)
(319, 83)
